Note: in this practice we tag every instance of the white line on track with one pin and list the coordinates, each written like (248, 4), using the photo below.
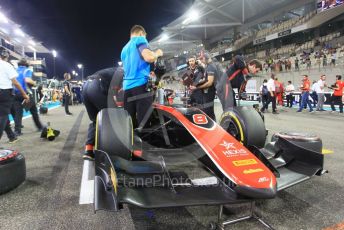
(87, 183)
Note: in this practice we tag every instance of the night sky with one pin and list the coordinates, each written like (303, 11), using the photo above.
(89, 32)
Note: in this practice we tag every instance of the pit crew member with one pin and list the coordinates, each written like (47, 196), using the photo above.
(136, 57)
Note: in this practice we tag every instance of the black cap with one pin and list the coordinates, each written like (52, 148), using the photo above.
(4, 53)
(23, 62)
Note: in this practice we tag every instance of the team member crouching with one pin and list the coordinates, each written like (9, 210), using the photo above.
(104, 84)
(235, 78)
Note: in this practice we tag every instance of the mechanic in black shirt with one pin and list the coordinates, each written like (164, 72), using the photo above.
(207, 86)
(67, 92)
(236, 76)
(102, 90)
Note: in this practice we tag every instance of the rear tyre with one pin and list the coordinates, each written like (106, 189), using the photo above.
(12, 170)
(114, 133)
(246, 125)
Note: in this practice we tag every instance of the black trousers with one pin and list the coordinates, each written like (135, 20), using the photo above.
(6, 100)
(9, 132)
(264, 99)
(94, 101)
(34, 112)
(204, 101)
(3, 121)
(290, 99)
(138, 101)
(270, 99)
(208, 104)
(17, 112)
(337, 100)
(66, 103)
(314, 97)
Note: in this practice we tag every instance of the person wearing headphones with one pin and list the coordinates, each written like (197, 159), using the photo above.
(8, 77)
(136, 57)
(103, 89)
(193, 76)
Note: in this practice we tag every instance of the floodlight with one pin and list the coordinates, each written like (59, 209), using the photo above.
(54, 53)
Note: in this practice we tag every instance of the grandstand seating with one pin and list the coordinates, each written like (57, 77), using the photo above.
(285, 25)
(274, 29)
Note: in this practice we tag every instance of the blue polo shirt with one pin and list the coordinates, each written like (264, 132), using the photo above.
(136, 70)
(23, 72)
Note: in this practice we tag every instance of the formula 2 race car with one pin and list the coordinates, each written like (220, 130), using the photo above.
(152, 166)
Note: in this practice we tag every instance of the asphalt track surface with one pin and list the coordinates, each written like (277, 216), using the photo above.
(49, 198)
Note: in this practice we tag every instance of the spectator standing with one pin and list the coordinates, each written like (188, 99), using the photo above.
(318, 61)
(297, 64)
(305, 88)
(266, 67)
(264, 92)
(320, 92)
(324, 60)
(289, 90)
(314, 94)
(272, 96)
(308, 62)
(279, 91)
(333, 58)
(337, 94)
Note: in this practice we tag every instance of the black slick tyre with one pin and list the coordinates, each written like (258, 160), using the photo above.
(246, 125)
(114, 133)
(12, 170)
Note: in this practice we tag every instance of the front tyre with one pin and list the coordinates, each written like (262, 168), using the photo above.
(114, 133)
(246, 125)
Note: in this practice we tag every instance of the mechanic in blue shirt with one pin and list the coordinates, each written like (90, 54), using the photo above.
(25, 80)
(136, 57)
(17, 109)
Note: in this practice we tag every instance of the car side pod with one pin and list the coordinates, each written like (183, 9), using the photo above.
(105, 183)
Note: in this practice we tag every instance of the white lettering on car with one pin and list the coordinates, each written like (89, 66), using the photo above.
(263, 179)
(228, 145)
(228, 153)
(231, 150)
